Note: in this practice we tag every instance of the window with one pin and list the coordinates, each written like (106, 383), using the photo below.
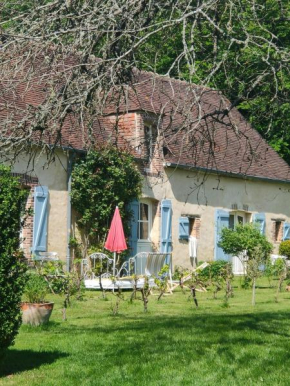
(194, 226)
(278, 231)
(238, 218)
(232, 221)
(143, 222)
(150, 136)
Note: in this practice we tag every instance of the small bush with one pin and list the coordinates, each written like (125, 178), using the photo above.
(284, 248)
(36, 289)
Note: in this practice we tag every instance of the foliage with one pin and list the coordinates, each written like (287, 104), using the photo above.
(217, 274)
(280, 271)
(162, 280)
(284, 248)
(145, 290)
(245, 238)
(101, 181)
(36, 288)
(12, 268)
(264, 102)
(179, 272)
(66, 285)
(213, 271)
(254, 268)
(61, 282)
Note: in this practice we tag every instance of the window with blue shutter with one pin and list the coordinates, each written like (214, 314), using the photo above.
(260, 220)
(222, 220)
(166, 224)
(286, 231)
(40, 218)
(133, 239)
(183, 228)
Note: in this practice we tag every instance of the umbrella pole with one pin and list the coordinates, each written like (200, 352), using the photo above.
(114, 267)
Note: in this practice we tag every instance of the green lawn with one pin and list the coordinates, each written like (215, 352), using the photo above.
(173, 344)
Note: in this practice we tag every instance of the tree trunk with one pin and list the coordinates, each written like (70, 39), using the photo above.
(193, 292)
(254, 292)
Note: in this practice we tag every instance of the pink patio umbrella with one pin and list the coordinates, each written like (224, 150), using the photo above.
(116, 239)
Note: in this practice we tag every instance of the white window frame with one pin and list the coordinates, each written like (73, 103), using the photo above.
(143, 221)
(239, 213)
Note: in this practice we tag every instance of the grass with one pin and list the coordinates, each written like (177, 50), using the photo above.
(173, 344)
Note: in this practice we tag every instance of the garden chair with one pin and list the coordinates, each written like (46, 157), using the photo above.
(134, 265)
(44, 259)
(97, 260)
(155, 262)
(47, 256)
(187, 277)
(144, 263)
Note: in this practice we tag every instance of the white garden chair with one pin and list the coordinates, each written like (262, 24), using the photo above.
(89, 264)
(146, 264)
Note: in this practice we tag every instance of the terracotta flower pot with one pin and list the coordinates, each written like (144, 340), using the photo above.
(36, 313)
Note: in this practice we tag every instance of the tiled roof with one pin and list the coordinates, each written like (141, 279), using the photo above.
(195, 129)
(199, 133)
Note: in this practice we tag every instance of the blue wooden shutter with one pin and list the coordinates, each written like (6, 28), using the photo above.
(260, 220)
(183, 228)
(166, 221)
(222, 220)
(134, 207)
(286, 231)
(40, 219)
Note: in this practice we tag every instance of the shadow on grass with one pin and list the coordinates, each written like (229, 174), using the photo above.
(212, 327)
(225, 344)
(16, 361)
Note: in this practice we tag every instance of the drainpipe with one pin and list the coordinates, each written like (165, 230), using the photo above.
(69, 170)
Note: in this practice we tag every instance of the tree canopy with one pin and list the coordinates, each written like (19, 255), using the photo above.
(245, 239)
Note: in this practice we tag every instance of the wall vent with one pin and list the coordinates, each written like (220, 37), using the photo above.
(234, 206)
(246, 207)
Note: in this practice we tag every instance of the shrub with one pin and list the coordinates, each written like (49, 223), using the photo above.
(36, 289)
(12, 268)
(284, 248)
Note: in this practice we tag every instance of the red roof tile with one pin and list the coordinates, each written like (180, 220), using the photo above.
(194, 125)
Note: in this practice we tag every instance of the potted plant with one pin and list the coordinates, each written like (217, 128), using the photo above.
(36, 310)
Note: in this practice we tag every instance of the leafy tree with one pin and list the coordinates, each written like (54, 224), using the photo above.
(247, 240)
(12, 268)
(101, 181)
(227, 50)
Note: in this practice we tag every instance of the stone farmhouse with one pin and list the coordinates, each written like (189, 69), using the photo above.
(204, 168)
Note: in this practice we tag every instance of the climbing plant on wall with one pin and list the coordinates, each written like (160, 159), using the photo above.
(102, 180)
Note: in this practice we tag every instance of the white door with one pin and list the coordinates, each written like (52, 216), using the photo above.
(238, 262)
